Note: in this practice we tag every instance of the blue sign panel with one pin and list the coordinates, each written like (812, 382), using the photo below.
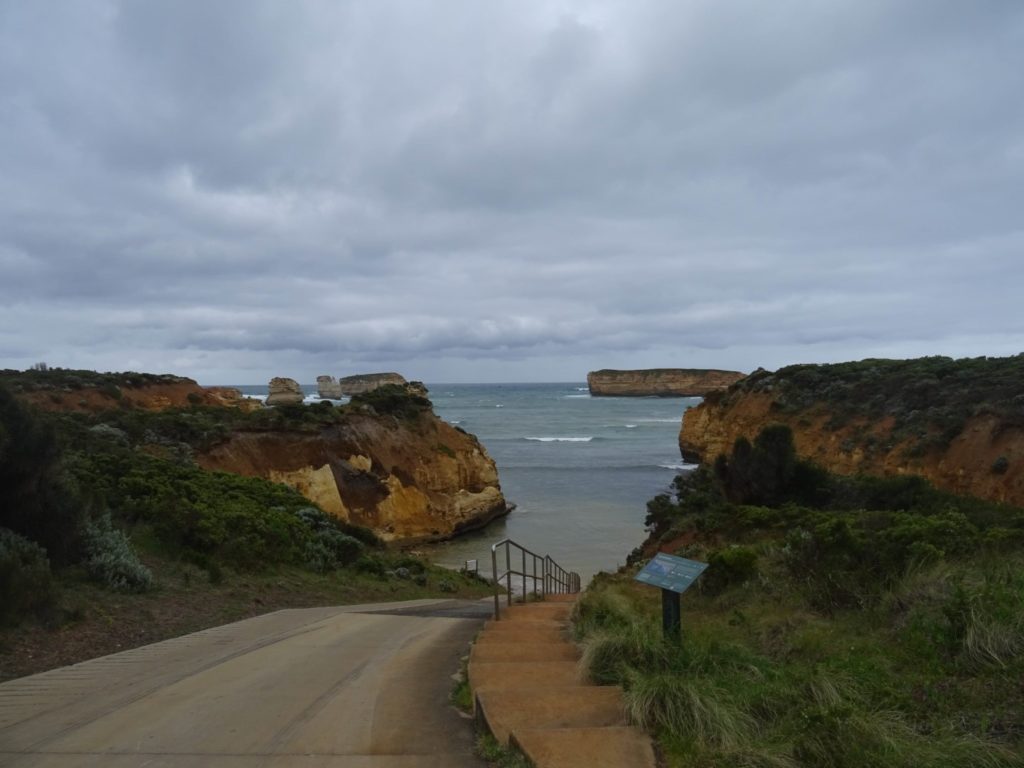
(670, 572)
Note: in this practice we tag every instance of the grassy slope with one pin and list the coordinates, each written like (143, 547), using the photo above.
(828, 636)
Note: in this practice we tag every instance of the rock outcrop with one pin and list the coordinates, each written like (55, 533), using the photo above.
(283, 391)
(409, 479)
(328, 388)
(956, 423)
(365, 382)
(660, 382)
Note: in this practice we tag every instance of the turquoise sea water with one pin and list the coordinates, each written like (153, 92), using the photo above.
(580, 469)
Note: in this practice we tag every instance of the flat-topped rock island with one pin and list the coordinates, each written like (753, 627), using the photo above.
(660, 382)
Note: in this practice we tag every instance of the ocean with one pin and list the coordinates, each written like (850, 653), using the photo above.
(579, 469)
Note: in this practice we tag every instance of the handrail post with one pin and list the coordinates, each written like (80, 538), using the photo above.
(494, 579)
(524, 576)
(508, 573)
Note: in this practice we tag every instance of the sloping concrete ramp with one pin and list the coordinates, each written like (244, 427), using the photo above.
(354, 686)
(529, 691)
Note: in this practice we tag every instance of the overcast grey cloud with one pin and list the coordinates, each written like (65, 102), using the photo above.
(501, 191)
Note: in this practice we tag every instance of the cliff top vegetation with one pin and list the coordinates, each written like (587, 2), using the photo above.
(655, 371)
(70, 380)
(922, 396)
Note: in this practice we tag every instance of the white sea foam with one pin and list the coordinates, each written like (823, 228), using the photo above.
(456, 421)
(560, 439)
(679, 467)
(582, 389)
(631, 426)
(575, 397)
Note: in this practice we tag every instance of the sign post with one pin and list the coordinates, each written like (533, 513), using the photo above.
(674, 575)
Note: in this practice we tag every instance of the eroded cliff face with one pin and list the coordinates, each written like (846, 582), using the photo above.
(660, 382)
(410, 480)
(985, 458)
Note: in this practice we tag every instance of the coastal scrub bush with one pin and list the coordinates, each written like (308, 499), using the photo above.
(396, 400)
(727, 567)
(758, 473)
(110, 559)
(26, 583)
(330, 549)
(36, 501)
(373, 564)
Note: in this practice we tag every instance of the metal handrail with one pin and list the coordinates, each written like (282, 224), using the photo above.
(553, 578)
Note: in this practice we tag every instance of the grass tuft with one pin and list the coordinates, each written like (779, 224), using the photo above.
(692, 709)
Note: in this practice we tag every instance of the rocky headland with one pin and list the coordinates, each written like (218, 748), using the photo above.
(387, 463)
(660, 382)
(958, 423)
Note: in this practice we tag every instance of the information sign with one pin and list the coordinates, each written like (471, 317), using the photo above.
(676, 574)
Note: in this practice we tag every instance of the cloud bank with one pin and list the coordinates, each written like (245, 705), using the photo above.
(469, 191)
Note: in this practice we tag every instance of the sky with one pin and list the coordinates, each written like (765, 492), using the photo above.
(468, 191)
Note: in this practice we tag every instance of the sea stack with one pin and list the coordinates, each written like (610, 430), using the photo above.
(366, 382)
(660, 382)
(328, 388)
(284, 392)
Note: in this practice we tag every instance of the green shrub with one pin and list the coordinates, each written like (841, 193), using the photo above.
(729, 566)
(26, 584)
(413, 564)
(394, 399)
(759, 473)
(372, 564)
(110, 559)
(36, 501)
(331, 549)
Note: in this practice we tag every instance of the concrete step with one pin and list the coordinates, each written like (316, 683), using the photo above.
(504, 624)
(562, 598)
(610, 747)
(523, 651)
(513, 675)
(507, 632)
(537, 612)
(505, 711)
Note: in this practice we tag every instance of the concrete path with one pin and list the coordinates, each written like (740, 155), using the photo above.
(354, 686)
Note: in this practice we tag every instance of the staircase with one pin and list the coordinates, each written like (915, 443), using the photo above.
(530, 692)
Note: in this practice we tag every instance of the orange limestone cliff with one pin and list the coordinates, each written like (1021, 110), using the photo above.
(660, 382)
(958, 423)
(410, 477)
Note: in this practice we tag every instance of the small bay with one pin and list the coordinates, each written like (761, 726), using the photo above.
(579, 469)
